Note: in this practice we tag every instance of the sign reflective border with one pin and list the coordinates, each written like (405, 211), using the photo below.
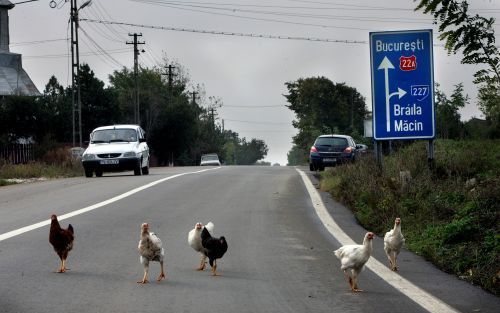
(402, 72)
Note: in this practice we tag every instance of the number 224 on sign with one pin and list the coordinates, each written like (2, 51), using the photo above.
(408, 63)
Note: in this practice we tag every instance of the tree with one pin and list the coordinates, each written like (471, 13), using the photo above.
(248, 153)
(448, 124)
(297, 156)
(321, 106)
(475, 36)
(56, 103)
(98, 103)
(21, 118)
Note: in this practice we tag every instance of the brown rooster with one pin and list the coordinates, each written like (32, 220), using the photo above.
(62, 241)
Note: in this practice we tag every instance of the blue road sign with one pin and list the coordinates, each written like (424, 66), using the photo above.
(402, 73)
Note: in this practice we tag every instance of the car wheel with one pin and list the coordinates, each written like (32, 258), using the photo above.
(137, 169)
(311, 167)
(145, 170)
(88, 172)
(98, 173)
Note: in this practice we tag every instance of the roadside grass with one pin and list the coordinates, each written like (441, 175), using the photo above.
(55, 164)
(450, 213)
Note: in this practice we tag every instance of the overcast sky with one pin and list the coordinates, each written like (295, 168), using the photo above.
(246, 73)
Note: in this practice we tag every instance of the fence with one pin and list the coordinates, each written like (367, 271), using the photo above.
(17, 153)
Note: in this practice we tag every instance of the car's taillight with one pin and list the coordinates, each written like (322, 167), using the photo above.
(313, 149)
(348, 150)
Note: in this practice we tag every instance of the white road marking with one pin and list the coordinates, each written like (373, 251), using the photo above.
(420, 296)
(25, 229)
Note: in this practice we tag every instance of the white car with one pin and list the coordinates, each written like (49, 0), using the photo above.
(210, 159)
(116, 148)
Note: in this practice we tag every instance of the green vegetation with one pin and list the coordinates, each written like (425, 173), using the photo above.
(474, 37)
(450, 213)
(54, 164)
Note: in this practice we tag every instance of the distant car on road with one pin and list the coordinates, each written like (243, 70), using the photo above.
(116, 148)
(209, 159)
(331, 150)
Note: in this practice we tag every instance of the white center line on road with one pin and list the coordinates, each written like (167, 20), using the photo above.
(420, 296)
(26, 229)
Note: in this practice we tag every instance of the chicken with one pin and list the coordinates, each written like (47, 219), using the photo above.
(62, 241)
(214, 248)
(194, 240)
(353, 258)
(150, 249)
(393, 241)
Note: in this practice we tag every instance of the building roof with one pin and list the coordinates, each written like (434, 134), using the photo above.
(13, 79)
(6, 3)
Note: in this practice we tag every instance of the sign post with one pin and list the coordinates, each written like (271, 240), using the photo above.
(402, 73)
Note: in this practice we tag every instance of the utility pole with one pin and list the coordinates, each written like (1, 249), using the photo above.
(76, 99)
(137, 115)
(75, 74)
(212, 117)
(193, 95)
(170, 74)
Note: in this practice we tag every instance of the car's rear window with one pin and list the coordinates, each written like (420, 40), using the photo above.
(209, 158)
(331, 141)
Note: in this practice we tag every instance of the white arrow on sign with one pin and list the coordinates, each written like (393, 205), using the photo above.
(386, 65)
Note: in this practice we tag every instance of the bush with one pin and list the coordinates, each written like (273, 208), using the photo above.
(450, 211)
(55, 163)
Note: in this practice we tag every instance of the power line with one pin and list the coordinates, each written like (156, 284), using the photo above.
(229, 33)
(257, 122)
(266, 19)
(101, 49)
(331, 6)
(65, 55)
(253, 106)
(35, 42)
(289, 14)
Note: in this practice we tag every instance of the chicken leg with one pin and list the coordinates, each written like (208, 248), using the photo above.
(202, 263)
(351, 279)
(392, 261)
(214, 269)
(62, 267)
(162, 273)
(355, 282)
(144, 278)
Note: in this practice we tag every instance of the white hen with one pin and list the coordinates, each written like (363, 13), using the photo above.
(393, 242)
(150, 249)
(353, 258)
(194, 240)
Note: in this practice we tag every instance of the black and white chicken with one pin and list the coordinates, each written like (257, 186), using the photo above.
(194, 240)
(214, 248)
(150, 249)
(353, 258)
(393, 242)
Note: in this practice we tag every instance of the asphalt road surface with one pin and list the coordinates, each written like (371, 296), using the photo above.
(279, 258)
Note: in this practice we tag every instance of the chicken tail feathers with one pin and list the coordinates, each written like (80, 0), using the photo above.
(70, 229)
(210, 227)
(338, 253)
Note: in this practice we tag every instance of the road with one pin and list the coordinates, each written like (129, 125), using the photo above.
(279, 259)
